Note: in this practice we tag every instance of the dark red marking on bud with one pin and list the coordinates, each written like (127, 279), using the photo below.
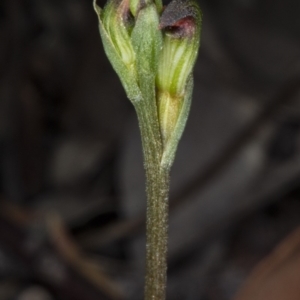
(182, 28)
(179, 18)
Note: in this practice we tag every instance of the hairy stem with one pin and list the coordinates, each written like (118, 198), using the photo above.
(157, 182)
(157, 219)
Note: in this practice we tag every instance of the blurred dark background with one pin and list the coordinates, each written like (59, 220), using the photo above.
(71, 174)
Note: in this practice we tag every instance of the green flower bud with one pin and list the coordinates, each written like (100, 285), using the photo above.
(181, 25)
(117, 23)
(147, 43)
(115, 26)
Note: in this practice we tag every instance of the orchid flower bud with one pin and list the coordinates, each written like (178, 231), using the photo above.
(147, 43)
(181, 25)
(115, 26)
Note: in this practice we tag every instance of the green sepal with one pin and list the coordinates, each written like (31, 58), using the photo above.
(147, 41)
(115, 40)
(172, 143)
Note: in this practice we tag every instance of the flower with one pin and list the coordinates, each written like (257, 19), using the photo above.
(181, 24)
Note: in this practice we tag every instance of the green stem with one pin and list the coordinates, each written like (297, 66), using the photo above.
(157, 227)
(157, 182)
